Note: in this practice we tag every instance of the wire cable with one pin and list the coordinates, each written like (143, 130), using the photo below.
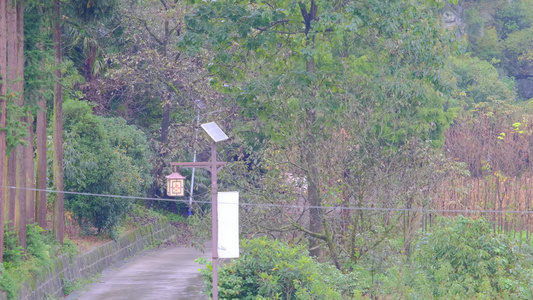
(271, 205)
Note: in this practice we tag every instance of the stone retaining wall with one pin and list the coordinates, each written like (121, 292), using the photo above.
(67, 269)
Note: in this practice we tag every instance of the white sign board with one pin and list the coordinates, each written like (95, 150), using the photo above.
(228, 224)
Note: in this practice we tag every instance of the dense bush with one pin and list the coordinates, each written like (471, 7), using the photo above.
(102, 156)
(463, 259)
(478, 81)
(19, 265)
(269, 269)
(12, 251)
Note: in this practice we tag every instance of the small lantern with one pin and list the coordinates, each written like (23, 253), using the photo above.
(175, 184)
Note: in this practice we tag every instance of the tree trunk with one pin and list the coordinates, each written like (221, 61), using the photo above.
(165, 122)
(158, 169)
(313, 196)
(59, 214)
(313, 192)
(11, 192)
(11, 88)
(20, 208)
(22, 169)
(30, 180)
(3, 90)
(40, 196)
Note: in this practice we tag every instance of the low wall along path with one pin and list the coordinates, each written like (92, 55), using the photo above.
(67, 269)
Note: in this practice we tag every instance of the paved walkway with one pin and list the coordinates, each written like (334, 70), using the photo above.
(169, 273)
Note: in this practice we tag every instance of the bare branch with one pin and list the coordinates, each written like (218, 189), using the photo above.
(309, 232)
(272, 24)
(147, 29)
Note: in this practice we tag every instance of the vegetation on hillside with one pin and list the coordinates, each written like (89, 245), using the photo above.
(354, 127)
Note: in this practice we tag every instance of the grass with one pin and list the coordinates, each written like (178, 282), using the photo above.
(172, 217)
(71, 286)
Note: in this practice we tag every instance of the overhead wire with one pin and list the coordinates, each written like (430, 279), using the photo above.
(272, 205)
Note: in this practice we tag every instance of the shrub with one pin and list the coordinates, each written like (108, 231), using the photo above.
(19, 266)
(172, 217)
(462, 258)
(36, 245)
(103, 156)
(269, 269)
(12, 251)
(479, 81)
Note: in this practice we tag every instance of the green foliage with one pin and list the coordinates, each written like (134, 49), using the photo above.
(145, 214)
(39, 68)
(172, 217)
(501, 33)
(7, 283)
(36, 244)
(269, 269)
(91, 28)
(488, 47)
(279, 91)
(69, 247)
(513, 17)
(515, 45)
(112, 158)
(71, 286)
(12, 251)
(474, 23)
(478, 81)
(19, 266)
(16, 130)
(68, 286)
(463, 258)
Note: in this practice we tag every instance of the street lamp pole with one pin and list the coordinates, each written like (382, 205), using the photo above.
(214, 216)
(214, 167)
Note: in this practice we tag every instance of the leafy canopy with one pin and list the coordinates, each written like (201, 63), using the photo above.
(102, 156)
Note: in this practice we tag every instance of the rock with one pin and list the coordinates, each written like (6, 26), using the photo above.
(525, 88)
(452, 16)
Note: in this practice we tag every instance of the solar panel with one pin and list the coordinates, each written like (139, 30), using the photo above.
(214, 132)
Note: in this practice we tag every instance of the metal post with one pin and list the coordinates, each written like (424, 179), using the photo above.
(214, 214)
(194, 160)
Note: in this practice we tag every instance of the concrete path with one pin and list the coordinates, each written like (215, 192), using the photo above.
(169, 273)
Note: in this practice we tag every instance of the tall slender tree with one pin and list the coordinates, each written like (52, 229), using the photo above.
(11, 78)
(3, 90)
(22, 169)
(40, 196)
(39, 88)
(29, 172)
(58, 213)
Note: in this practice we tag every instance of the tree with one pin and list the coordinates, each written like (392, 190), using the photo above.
(17, 130)
(58, 211)
(22, 150)
(153, 84)
(11, 77)
(3, 102)
(103, 156)
(92, 29)
(39, 82)
(308, 72)
(40, 196)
